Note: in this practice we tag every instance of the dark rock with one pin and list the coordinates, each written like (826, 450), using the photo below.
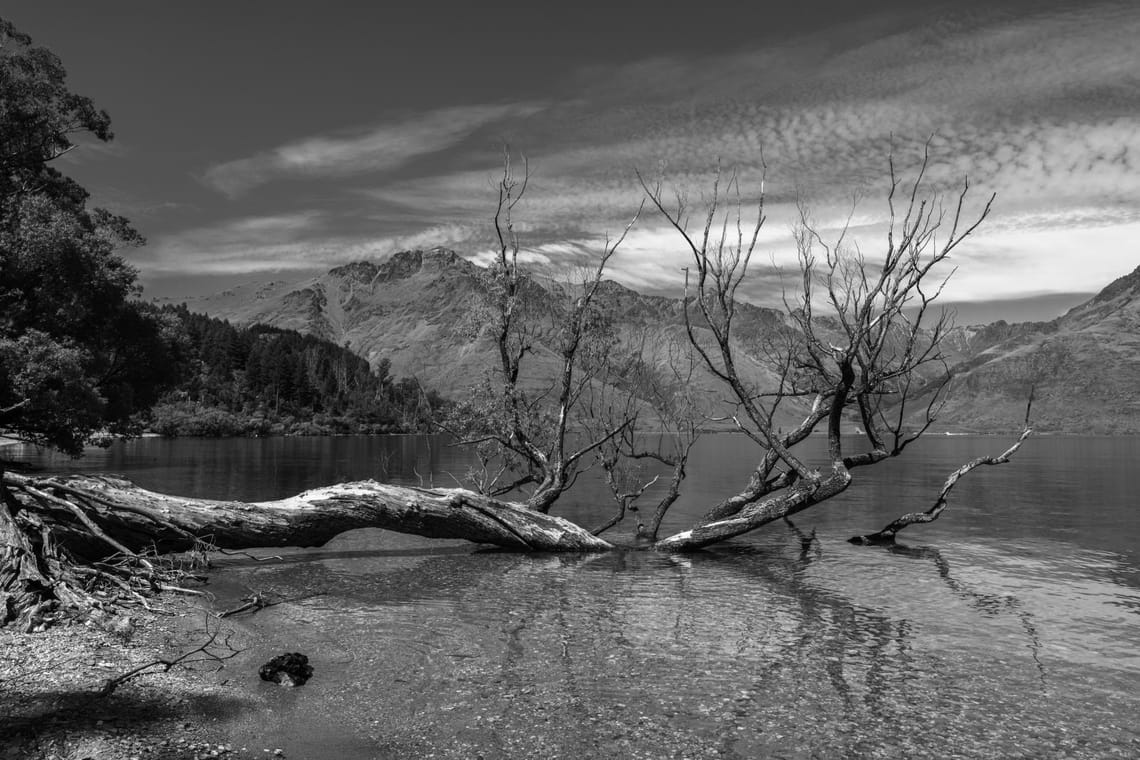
(289, 669)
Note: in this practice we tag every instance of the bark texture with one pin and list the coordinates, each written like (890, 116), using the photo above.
(757, 514)
(134, 519)
(85, 542)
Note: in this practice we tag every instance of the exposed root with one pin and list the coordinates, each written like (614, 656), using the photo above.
(247, 555)
(58, 559)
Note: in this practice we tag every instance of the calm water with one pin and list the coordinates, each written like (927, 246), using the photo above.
(1009, 628)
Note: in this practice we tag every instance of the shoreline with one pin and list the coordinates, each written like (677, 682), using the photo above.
(51, 709)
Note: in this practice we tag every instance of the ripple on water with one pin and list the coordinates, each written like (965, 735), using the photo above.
(758, 650)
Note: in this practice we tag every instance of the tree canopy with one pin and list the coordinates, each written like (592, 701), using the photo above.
(78, 353)
(261, 380)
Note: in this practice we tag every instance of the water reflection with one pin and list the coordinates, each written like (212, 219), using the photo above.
(1006, 629)
(987, 603)
(854, 658)
(798, 646)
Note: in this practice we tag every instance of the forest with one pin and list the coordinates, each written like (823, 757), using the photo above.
(260, 380)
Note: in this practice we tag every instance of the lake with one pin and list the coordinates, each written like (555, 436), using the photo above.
(1008, 628)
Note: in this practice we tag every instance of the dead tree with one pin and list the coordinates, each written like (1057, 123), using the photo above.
(84, 543)
(663, 419)
(860, 341)
(870, 356)
(887, 534)
(524, 437)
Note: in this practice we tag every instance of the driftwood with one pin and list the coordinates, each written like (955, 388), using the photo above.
(129, 519)
(87, 543)
(887, 534)
(84, 542)
(210, 651)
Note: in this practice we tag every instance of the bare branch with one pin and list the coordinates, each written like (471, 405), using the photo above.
(887, 534)
(868, 353)
(211, 651)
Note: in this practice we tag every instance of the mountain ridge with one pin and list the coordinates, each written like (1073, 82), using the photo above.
(418, 309)
(1083, 368)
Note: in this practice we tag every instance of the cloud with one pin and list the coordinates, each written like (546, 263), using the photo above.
(262, 243)
(1044, 88)
(1018, 262)
(304, 241)
(1040, 108)
(379, 148)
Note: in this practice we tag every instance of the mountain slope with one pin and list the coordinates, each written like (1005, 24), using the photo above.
(1085, 367)
(412, 308)
(418, 308)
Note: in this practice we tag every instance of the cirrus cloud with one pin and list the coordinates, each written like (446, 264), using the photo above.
(378, 148)
(1040, 107)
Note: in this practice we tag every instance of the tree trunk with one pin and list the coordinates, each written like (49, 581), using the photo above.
(806, 493)
(76, 537)
(78, 543)
(135, 518)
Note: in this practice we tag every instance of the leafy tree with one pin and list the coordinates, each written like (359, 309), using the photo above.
(256, 379)
(78, 355)
(38, 118)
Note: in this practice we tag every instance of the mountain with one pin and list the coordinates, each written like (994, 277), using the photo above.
(419, 310)
(1084, 367)
(411, 309)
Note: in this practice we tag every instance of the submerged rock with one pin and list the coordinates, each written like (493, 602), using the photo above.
(289, 669)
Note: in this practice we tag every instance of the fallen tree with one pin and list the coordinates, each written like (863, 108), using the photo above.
(860, 342)
(89, 542)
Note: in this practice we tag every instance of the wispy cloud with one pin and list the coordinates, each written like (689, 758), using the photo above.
(378, 148)
(262, 243)
(305, 241)
(1042, 109)
(1031, 261)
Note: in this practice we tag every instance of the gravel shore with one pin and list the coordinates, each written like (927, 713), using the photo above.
(50, 683)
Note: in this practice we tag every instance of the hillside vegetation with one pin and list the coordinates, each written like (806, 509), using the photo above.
(414, 310)
(263, 380)
(419, 311)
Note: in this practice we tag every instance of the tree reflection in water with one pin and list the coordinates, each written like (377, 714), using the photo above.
(990, 604)
(741, 651)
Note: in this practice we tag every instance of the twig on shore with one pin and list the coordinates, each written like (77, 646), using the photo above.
(201, 653)
(245, 554)
(257, 602)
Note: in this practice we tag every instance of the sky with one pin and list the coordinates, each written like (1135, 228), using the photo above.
(264, 141)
